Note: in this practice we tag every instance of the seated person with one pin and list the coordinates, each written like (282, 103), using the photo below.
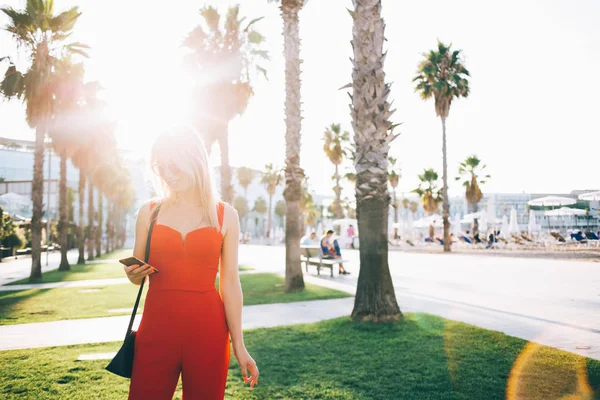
(331, 250)
(309, 240)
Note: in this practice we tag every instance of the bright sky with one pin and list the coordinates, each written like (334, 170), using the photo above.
(530, 115)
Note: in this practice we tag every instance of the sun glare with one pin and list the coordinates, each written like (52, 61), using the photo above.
(148, 103)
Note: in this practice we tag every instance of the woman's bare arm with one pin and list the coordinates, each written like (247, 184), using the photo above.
(231, 293)
(136, 273)
(230, 287)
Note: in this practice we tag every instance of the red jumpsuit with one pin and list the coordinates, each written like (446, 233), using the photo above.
(183, 328)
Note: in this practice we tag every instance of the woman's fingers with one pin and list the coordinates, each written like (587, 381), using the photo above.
(254, 377)
(141, 269)
(244, 373)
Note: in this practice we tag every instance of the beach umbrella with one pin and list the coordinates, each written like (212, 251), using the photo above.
(532, 227)
(409, 225)
(456, 226)
(425, 222)
(592, 196)
(552, 201)
(505, 228)
(513, 227)
(491, 213)
(565, 212)
(468, 218)
(483, 223)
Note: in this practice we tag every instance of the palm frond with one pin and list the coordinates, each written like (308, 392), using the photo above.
(255, 20)
(65, 21)
(255, 37)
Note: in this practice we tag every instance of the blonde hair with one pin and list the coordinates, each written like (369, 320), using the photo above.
(184, 147)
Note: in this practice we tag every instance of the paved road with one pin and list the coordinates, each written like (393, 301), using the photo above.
(553, 302)
(13, 270)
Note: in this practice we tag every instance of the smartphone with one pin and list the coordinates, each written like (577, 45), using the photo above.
(134, 260)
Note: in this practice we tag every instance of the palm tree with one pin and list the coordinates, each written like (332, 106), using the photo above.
(335, 140)
(224, 58)
(84, 157)
(245, 177)
(290, 9)
(414, 207)
(470, 171)
(429, 193)
(280, 212)
(63, 130)
(41, 35)
(241, 205)
(394, 178)
(271, 179)
(443, 76)
(375, 298)
(260, 206)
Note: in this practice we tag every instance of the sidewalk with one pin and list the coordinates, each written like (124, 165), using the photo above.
(13, 270)
(567, 334)
(109, 329)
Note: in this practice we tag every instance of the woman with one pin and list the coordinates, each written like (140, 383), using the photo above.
(186, 324)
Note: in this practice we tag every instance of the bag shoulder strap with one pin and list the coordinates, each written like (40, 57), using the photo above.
(146, 258)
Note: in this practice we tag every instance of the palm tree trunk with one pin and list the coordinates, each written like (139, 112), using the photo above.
(270, 218)
(63, 224)
(245, 216)
(226, 188)
(99, 231)
(446, 202)
(395, 214)
(109, 213)
(90, 241)
(37, 194)
(339, 213)
(375, 297)
(81, 227)
(294, 280)
(115, 226)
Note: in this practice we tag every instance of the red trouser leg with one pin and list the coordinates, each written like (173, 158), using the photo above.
(205, 356)
(157, 362)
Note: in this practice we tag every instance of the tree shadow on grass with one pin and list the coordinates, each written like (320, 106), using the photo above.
(10, 302)
(421, 357)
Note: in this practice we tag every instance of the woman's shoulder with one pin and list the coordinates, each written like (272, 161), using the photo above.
(148, 206)
(229, 212)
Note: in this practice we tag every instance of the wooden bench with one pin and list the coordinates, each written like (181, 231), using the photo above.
(313, 255)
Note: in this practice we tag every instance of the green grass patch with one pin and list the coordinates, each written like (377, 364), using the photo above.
(40, 305)
(421, 357)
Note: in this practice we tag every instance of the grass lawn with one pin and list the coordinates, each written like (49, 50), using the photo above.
(80, 272)
(422, 357)
(39, 305)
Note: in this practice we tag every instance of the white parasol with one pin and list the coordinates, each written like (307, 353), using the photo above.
(505, 230)
(533, 226)
(552, 201)
(592, 196)
(513, 227)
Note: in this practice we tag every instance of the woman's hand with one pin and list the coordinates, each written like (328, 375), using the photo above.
(246, 363)
(136, 273)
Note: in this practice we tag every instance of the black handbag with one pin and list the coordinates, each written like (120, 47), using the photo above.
(122, 363)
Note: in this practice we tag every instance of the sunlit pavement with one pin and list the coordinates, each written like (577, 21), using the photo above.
(13, 270)
(552, 302)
